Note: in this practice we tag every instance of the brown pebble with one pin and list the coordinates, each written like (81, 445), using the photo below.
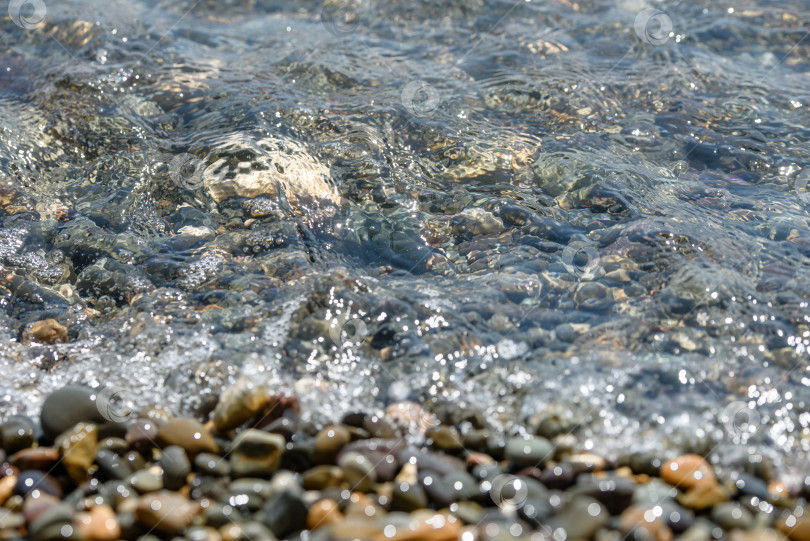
(362, 506)
(586, 462)
(703, 497)
(99, 524)
(408, 474)
(48, 331)
(14, 504)
(479, 459)
(796, 525)
(446, 438)
(688, 471)
(427, 525)
(232, 532)
(189, 434)
(78, 447)
(238, 404)
(142, 435)
(778, 491)
(329, 442)
(323, 512)
(766, 534)
(36, 458)
(7, 487)
(422, 525)
(158, 416)
(411, 416)
(167, 512)
(277, 407)
(321, 477)
(644, 523)
(35, 505)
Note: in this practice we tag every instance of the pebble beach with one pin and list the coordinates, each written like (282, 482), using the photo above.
(367, 270)
(254, 472)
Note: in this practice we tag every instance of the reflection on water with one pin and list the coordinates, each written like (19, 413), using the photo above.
(572, 216)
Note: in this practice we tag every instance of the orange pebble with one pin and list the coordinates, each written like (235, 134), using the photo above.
(323, 512)
(688, 471)
(796, 525)
(778, 489)
(646, 521)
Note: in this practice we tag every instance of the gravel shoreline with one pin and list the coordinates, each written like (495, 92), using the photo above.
(90, 470)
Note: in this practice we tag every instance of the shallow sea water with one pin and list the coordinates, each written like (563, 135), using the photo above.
(585, 216)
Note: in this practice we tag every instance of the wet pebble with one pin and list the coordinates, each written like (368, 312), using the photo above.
(16, 433)
(688, 471)
(142, 435)
(7, 484)
(752, 486)
(732, 515)
(48, 331)
(329, 442)
(53, 524)
(256, 453)
(581, 518)
(189, 434)
(383, 454)
(559, 476)
(524, 453)
(176, 467)
(407, 494)
(614, 492)
(436, 489)
(68, 406)
(37, 503)
(322, 477)
(77, 448)
(430, 461)
(35, 458)
(212, 464)
(445, 438)
(462, 486)
(111, 465)
(116, 445)
(145, 481)
(285, 513)
(10, 521)
(34, 480)
(703, 496)
(323, 513)
(645, 523)
(239, 404)
(795, 524)
(98, 524)
(166, 512)
(358, 471)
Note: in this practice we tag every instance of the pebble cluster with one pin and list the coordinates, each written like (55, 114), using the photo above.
(252, 471)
